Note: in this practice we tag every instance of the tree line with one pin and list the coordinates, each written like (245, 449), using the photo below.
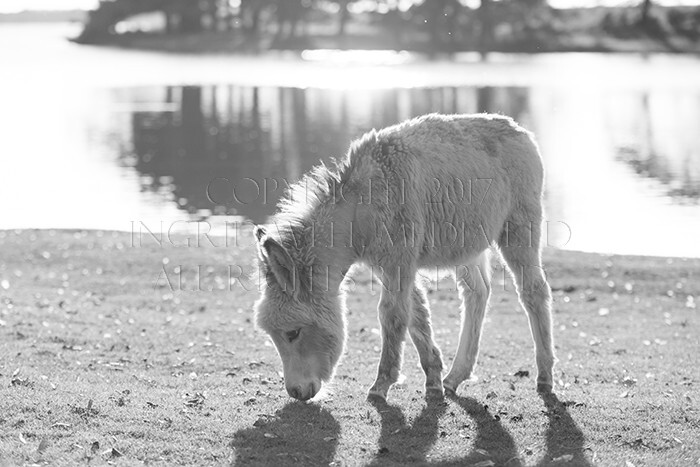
(441, 24)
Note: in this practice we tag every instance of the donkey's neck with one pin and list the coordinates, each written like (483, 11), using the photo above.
(333, 248)
(321, 243)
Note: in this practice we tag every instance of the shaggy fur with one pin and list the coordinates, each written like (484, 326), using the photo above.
(436, 191)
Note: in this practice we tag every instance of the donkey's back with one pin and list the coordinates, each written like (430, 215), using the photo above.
(453, 183)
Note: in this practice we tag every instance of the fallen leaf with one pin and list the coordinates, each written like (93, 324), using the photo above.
(22, 382)
(627, 381)
(42, 446)
(196, 400)
(165, 423)
(94, 447)
(522, 373)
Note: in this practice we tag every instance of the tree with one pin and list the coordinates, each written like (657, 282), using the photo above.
(250, 13)
(440, 19)
(485, 18)
(190, 16)
(289, 12)
(343, 16)
(646, 7)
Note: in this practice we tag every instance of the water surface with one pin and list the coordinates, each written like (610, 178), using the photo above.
(101, 138)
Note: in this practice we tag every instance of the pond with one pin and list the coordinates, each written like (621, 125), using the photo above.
(110, 139)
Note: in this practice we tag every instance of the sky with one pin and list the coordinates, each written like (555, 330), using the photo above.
(12, 6)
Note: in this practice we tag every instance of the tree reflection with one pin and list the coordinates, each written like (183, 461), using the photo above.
(233, 150)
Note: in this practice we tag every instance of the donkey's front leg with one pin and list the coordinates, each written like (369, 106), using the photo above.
(421, 331)
(394, 309)
(474, 283)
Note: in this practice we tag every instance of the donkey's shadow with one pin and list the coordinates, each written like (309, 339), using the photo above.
(307, 434)
(297, 434)
(563, 437)
(401, 444)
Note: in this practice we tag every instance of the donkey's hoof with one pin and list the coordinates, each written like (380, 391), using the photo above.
(544, 388)
(450, 390)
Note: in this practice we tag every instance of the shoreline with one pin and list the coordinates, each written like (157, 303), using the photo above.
(234, 44)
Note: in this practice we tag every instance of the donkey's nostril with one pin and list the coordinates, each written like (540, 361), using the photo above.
(295, 392)
(313, 390)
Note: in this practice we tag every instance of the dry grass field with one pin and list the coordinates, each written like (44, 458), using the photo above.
(104, 361)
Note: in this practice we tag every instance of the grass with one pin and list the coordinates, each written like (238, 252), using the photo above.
(101, 362)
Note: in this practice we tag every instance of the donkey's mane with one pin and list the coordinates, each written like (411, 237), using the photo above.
(318, 186)
(322, 184)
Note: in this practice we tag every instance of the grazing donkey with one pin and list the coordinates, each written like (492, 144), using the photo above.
(435, 191)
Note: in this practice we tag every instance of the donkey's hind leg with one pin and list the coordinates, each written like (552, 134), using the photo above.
(394, 314)
(421, 332)
(520, 247)
(474, 284)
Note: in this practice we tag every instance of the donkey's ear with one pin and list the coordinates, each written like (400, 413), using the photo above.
(279, 261)
(260, 235)
(259, 232)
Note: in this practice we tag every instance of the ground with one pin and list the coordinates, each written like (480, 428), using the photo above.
(108, 355)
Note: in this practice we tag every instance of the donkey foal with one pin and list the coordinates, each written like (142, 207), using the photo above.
(435, 191)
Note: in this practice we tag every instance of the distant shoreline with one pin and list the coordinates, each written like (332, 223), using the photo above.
(235, 42)
(232, 43)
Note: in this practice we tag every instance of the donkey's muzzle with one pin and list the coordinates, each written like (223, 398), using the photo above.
(303, 392)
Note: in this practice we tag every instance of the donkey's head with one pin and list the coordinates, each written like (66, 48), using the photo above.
(306, 325)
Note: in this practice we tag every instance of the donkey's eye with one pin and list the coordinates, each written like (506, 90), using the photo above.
(292, 335)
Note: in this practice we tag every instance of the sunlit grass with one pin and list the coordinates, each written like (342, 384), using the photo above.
(98, 365)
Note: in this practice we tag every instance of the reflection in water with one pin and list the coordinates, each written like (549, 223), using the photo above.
(234, 150)
(671, 157)
(617, 169)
